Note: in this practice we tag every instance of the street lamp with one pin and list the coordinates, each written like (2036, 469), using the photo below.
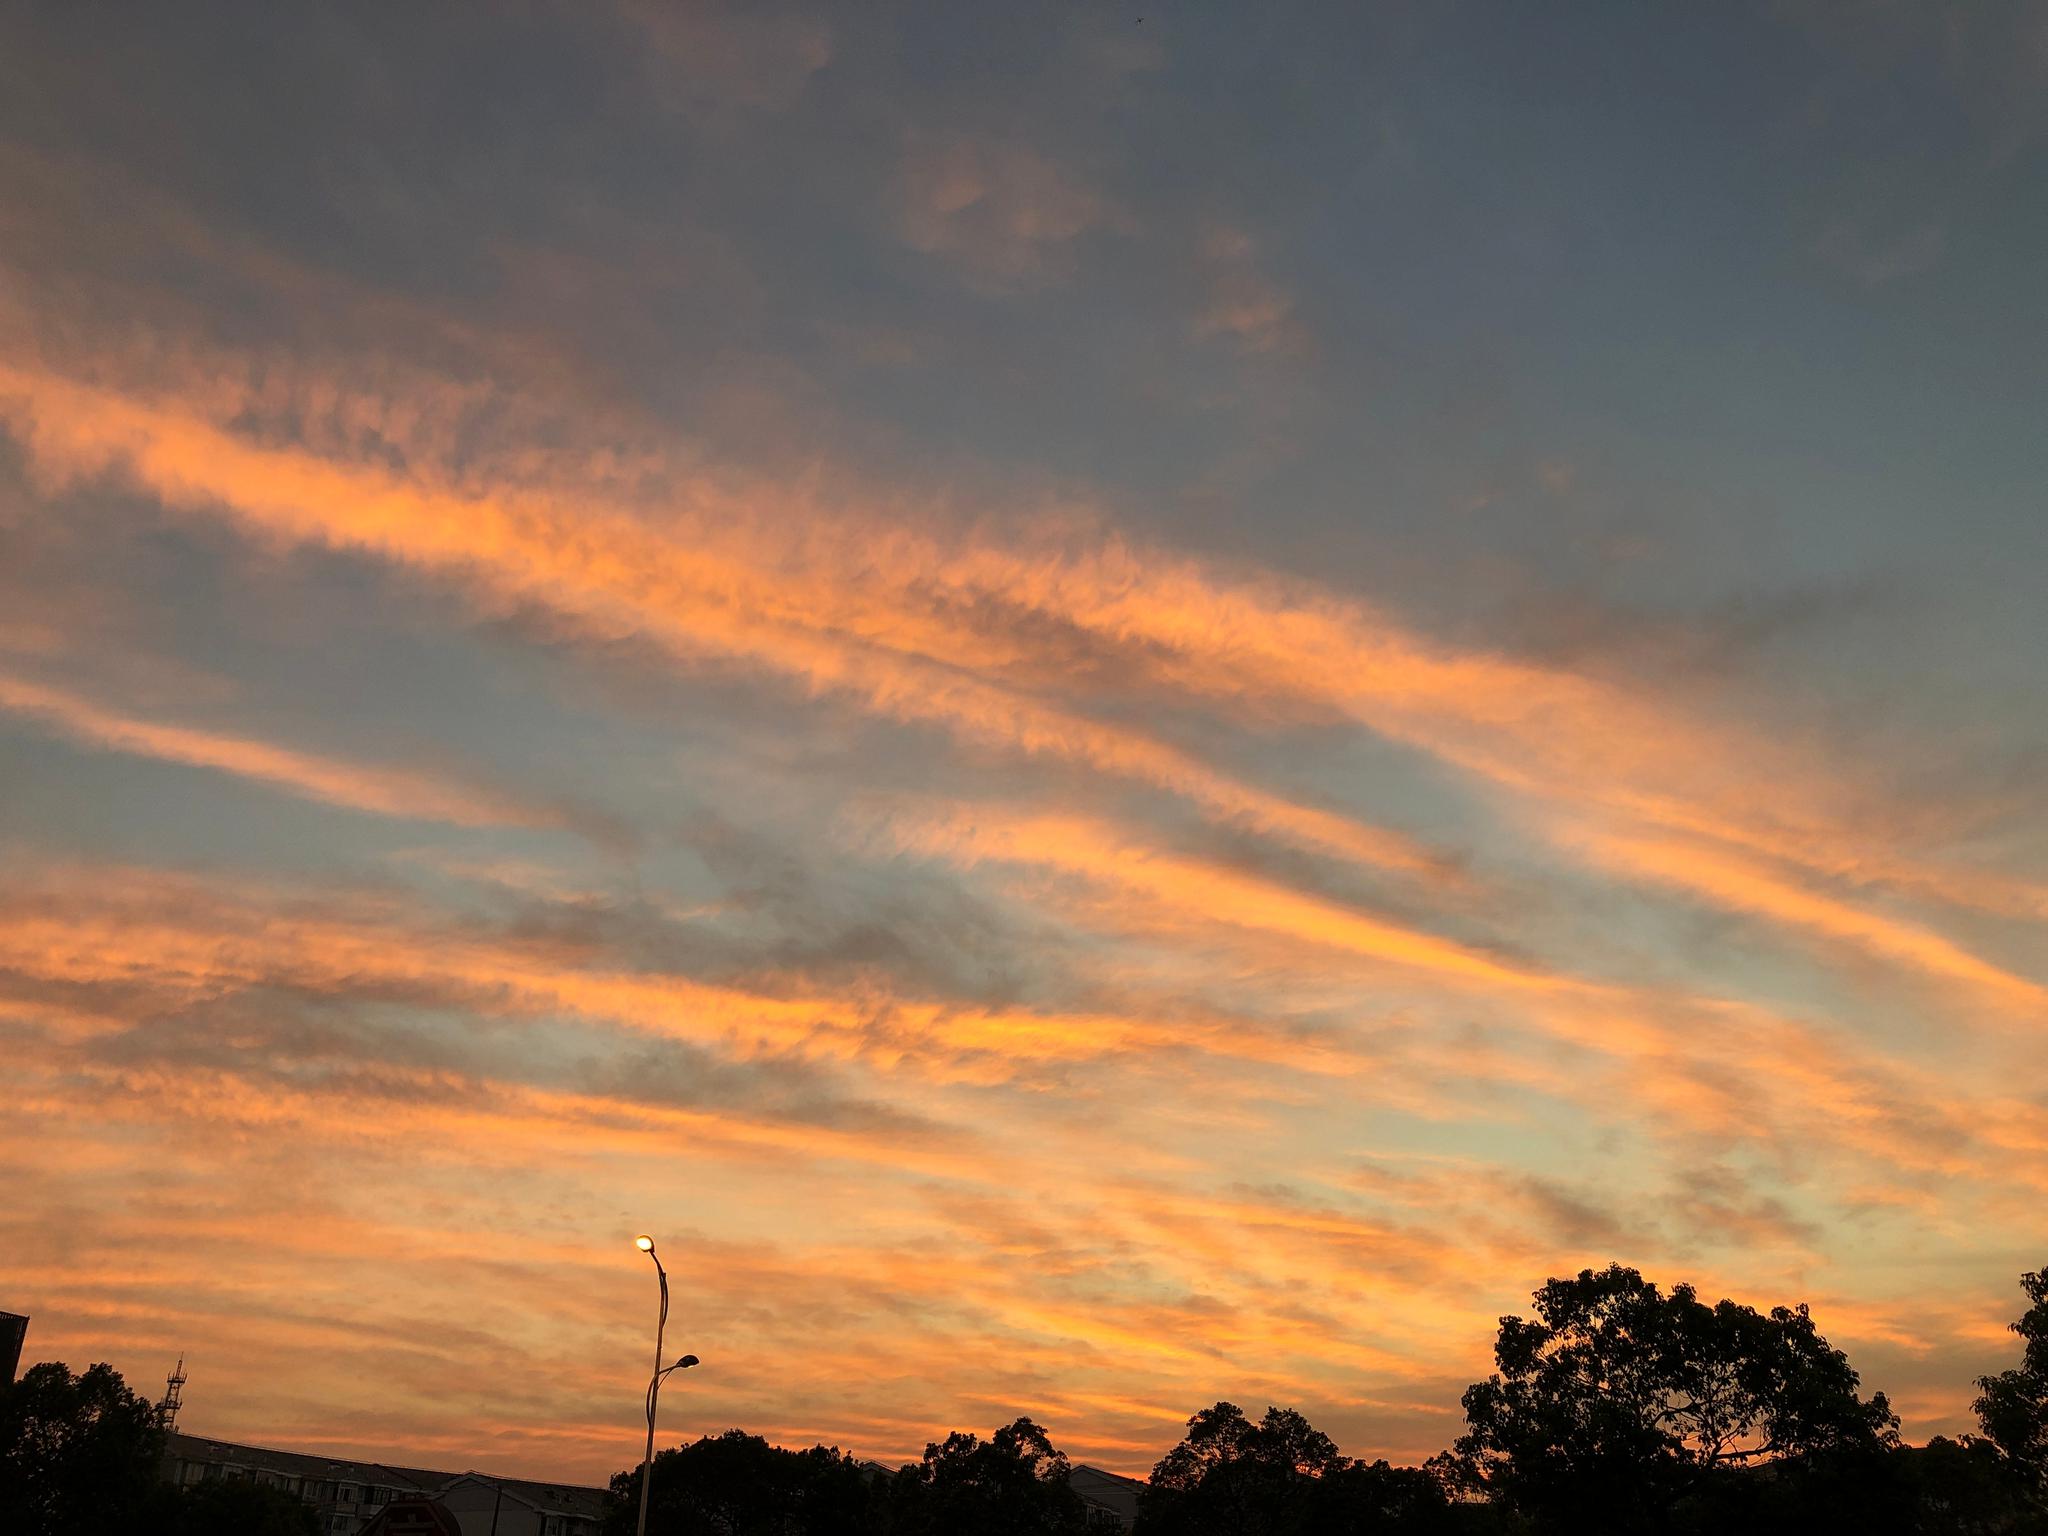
(646, 1245)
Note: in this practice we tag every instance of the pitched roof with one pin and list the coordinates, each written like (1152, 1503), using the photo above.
(303, 1464)
(1108, 1489)
(547, 1498)
(557, 1498)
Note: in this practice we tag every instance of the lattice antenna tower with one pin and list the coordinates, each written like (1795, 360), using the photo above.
(174, 1395)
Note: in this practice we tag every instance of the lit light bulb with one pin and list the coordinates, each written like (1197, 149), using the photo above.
(644, 1243)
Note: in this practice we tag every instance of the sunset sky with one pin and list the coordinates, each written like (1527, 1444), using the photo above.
(1112, 705)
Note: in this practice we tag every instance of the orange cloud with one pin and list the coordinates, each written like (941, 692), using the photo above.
(356, 786)
(1747, 886)
(1005, 215)
(1093, 848)
(611, 572)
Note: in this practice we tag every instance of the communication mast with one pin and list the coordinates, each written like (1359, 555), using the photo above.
(174, 1395)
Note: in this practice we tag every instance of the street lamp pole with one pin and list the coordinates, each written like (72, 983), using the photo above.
(646, 1245)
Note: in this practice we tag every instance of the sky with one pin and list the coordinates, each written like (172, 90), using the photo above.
(1111, 705)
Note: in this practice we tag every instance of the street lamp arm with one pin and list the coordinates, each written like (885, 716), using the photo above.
(681, 1365)
(646, 1245)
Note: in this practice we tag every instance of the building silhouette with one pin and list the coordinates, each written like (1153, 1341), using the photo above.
(13, 1334)
(1111, 1500)
(347, 1495)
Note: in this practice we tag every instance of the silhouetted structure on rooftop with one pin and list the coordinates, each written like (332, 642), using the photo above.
(174, 1394)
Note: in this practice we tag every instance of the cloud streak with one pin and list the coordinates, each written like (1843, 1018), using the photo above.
(355, 786)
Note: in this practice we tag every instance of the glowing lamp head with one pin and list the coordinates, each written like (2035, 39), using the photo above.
(644, 1243)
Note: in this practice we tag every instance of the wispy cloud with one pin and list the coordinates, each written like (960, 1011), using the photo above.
(1004, 215)
(357, 786)
(1243, 303)
(730, 55)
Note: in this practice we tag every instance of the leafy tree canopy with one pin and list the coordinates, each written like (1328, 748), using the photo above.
(737, 1484)
(1279, 1476)
(2013, 1409)
(79, 1455)
(221, 1505)
(1618, 1401)
(1013, 1483)
(1965, 1485)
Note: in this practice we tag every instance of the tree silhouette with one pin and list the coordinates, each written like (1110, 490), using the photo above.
(1011, 1484)
(1280, 1476)
(737, 1484)
(2013, 1408)
(1361, 1497)
(247, 1509)
(79, 1455)
(1965, 1486)
(1620, 1402)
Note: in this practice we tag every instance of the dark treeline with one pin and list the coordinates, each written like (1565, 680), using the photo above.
(83, 1456)
(1618, 1408)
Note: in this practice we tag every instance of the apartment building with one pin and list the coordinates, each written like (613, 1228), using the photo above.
(347, 1495)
